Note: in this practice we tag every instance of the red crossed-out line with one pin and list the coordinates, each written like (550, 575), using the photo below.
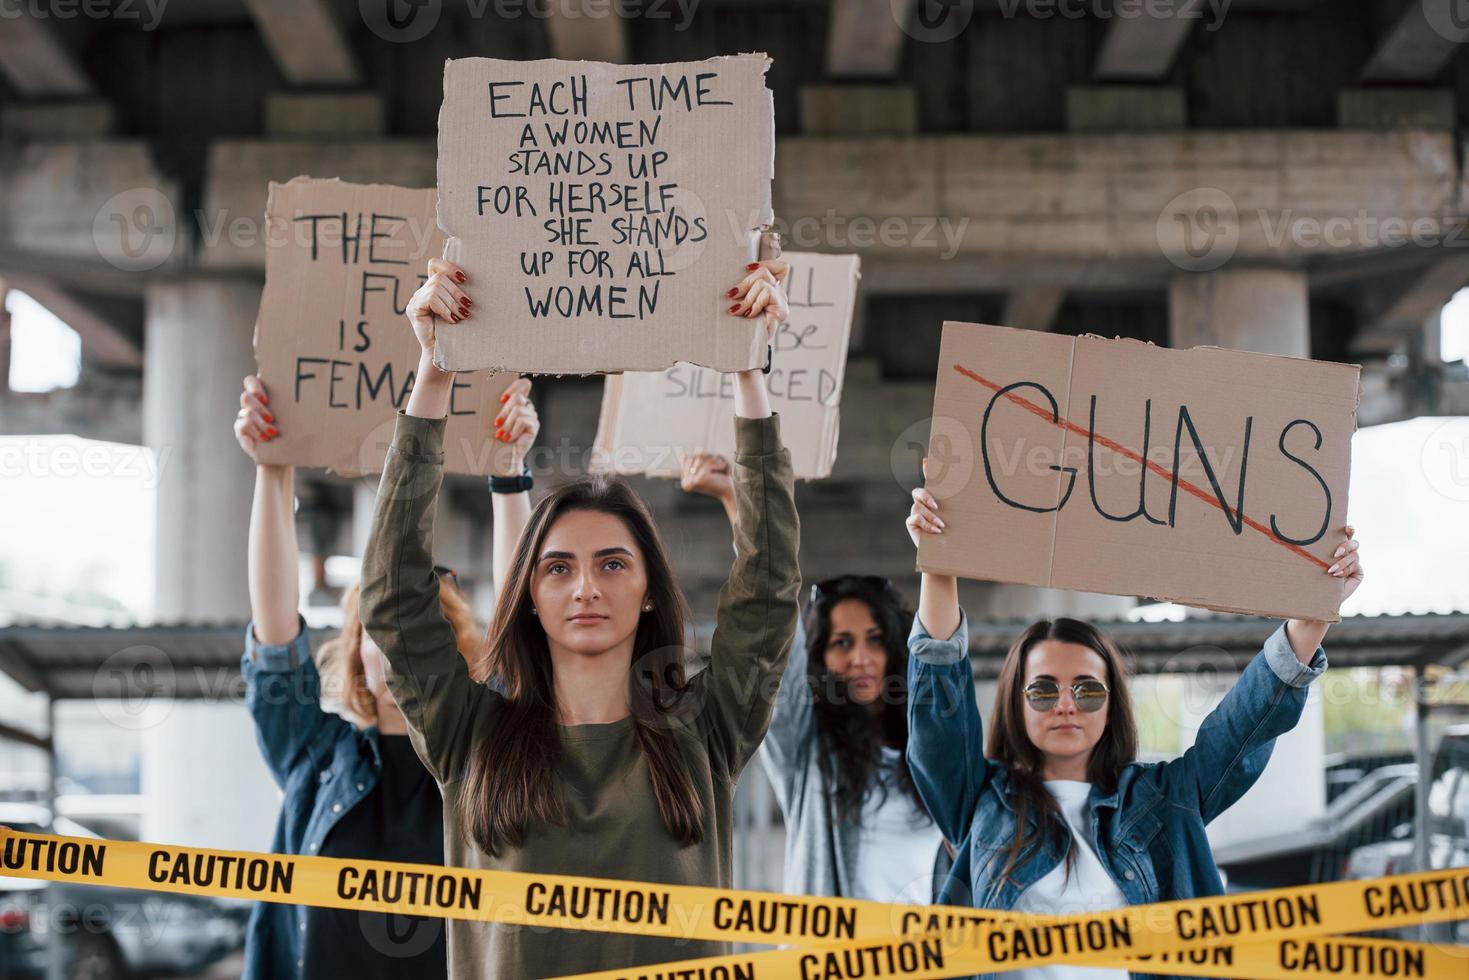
(1117, 447)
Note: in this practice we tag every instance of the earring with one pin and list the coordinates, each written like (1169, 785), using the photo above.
(533, 611)
(648, 607)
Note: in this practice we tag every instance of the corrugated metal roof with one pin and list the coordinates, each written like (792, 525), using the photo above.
(200, 659)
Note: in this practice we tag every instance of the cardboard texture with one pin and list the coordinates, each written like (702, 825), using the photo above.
(1239, 508)
(332, 344)
(603, 210)
(651, 420)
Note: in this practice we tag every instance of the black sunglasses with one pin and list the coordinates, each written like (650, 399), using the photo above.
(442, 570)
(1089, 695)
(841, 583)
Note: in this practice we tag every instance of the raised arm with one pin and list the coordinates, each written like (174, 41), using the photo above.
(400, 590)
(1235, 741)
(945, 735)
(282, 686)
(518, 423)
(783, 751)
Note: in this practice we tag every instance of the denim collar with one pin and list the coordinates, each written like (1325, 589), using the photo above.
(1096, 801)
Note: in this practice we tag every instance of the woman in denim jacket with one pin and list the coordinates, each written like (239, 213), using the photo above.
(352, 785)
(1053, 815)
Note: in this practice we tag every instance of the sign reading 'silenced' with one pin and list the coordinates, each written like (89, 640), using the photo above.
(1210, 477)
(601, 211)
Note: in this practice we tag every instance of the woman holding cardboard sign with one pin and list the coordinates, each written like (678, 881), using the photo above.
(1053, 814)
(353, 785)
(601, 759)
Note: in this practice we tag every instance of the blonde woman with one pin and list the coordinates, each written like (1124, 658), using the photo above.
(352, 784)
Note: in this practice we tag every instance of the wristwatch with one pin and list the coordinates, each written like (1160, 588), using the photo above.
(512, 484)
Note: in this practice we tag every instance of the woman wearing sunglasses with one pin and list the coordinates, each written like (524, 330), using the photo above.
(855, 825)
(334, 737)
(1052, 812)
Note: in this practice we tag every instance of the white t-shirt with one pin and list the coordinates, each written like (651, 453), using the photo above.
(897, 843)
(1089, 888)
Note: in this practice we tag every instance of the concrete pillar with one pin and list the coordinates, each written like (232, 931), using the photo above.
(198, 348)
(1261, 310)
(4, 342)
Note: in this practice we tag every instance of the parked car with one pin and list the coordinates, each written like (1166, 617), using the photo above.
(105, 933)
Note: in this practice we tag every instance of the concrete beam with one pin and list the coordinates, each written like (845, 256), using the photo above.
(1034, 307)
(324, 115)
(103, 341)
(864, 38)
(306, 42)
(35, 62)
(1405, 315)
(1419, 44)
(70, 120)
(581, 31)
(1395, 108)
(1143, 48)
(858, 110)
(1117, 108)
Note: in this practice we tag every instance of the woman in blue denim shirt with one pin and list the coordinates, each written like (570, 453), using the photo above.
(353, 786)
(1053, 814)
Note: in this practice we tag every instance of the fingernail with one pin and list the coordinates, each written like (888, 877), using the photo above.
(1331, 570)
(1338, 552)
(273, 431)
(733, 292)
(735, 308)
(269, 417)
(459, 276)
(504, 398)
(265, 399)
(500, 420)
(752, 266)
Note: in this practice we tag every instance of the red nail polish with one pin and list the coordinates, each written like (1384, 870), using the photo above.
(265, 399)
(269, 417)
(459, 276)
(504, 398)
(735, 308)
(752, 266)
(500, 420)
(733, 292)
(272, 432)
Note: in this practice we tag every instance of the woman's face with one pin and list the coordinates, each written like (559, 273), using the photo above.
(855, 651)
(1064, 731)
(589, 583)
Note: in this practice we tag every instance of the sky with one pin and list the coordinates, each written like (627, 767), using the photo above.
(78, 514)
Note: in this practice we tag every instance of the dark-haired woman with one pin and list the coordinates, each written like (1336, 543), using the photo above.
(1052, 812)
(601, 758)
(855, 825)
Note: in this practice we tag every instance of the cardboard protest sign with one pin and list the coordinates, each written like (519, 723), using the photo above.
(602, 211)
(1209, 477)
(332, 344)
(652, 419)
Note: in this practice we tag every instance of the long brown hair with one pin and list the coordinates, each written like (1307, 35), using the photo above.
(1010, 744)
(339, 660)
(510, 779)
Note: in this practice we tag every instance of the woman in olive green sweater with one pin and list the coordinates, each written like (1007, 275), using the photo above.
(602, 759)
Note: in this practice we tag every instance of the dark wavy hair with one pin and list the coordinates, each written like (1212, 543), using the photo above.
(510, 781)
(849, 739)
(1010, 744)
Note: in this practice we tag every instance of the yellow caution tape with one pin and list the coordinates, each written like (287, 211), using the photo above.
(1287, 927)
